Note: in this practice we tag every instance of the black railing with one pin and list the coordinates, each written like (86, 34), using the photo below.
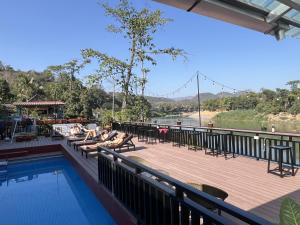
(157, 199)
(248, 143)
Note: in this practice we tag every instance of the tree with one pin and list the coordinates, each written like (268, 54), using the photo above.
(71, 68)
(293, 84)
(26, 87)
(141, 109)
(93, 98)
(295, 109)
(66, 87)
(5, 94)
(109, 67)
(139, 28)
(268, 95)
(4, 67)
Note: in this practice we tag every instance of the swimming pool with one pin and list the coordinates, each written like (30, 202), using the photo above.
(48, 191)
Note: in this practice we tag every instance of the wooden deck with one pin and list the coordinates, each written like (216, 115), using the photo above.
(246, 180)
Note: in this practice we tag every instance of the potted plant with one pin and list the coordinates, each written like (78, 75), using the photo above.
(289, 212)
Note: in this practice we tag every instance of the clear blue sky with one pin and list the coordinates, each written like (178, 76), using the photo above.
(35, 34)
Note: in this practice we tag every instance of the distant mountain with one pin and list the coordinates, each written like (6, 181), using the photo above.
(183, 98)
(205, 96)
(208, 95)
(189, 99)
(157, 100)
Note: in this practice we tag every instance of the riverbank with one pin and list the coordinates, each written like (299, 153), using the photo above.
(253, 115)
(205, 115)
(250, 119)
(238, 119)
(282, 117)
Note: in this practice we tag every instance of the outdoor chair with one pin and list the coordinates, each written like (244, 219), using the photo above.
(145, 162)
(76, 138)
(213, 191)
(137, 159)
(88, 135)
(126, 143)
(95, 140)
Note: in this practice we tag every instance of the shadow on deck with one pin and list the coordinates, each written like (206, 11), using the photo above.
(246, 180)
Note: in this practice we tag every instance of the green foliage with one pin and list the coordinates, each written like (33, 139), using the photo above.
(268, 108)
(162, 107)
(5, 94)
(124, 115)
(109, 67)
(138, 26)
(56, 83)
(240, 115)
(34, 114)
(295, 109)
(26, 87)
(140, 109)
(105, 117)
(289, 212)
(93, 98)
(266, 102)
(293, 84)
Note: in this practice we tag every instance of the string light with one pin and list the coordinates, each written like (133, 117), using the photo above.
(205, 78)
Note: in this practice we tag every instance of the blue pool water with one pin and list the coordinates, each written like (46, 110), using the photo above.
(48, 191)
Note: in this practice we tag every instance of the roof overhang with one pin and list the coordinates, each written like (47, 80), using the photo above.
(38, 104)
(278, 18)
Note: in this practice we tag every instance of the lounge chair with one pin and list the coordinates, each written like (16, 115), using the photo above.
(96, 140)
(78, 130)
(77, 138)
(126, 143)
(89, 135)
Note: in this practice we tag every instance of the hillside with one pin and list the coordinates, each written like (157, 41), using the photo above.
(188, 99)
(158, 100)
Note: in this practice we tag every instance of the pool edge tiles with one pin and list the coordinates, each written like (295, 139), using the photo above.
(49, 191)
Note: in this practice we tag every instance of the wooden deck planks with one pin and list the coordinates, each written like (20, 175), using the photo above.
(246, 180)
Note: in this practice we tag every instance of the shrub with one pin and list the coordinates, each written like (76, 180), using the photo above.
(295, 109)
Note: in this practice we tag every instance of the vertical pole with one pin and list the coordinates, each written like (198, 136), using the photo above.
(199, 105)
(55, 109)
(113, 103)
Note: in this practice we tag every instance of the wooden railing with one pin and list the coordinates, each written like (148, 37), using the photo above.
(157, 199)
(248, 143)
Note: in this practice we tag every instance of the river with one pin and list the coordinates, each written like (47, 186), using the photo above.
(290, 127)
